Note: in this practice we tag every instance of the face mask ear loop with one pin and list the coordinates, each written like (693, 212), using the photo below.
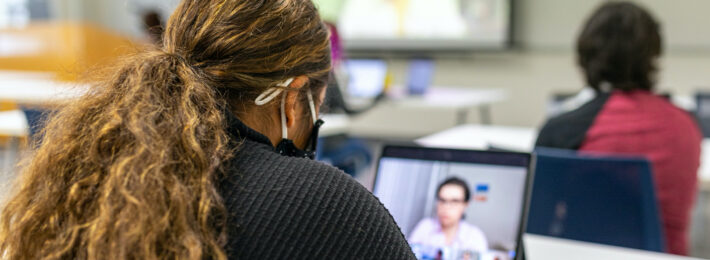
(267, 96)
(284, 128)
(312, 105)
(271, 93)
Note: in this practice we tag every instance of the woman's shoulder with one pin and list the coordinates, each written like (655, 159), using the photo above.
(568, 130)
(255, 166)
(306, 205)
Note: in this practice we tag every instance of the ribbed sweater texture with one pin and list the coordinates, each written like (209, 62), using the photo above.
(283, 207)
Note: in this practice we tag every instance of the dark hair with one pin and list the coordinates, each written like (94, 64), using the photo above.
(154, 26)
(619, 45)
(459, 182)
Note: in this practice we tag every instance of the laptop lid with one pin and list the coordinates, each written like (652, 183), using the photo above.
(539, 247)
(421, 74)
(365, 78)
(595, 198)
(425, 191)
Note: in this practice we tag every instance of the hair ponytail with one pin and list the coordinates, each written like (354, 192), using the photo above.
(129, 171)
(138, 158)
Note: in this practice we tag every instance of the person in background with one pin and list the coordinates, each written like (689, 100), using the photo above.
(153, 26)
(618, 51)
(449, 230)
(201, 150)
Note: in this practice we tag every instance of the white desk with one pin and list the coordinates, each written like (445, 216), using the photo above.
(460, 99)
(409, 117)
(546, 248)
(38, 91)
(479, 137)
(335, 124)
(705, 163)
(35, 90)
(454, 97)
(24, 75)
(13, 123)
(519, 139)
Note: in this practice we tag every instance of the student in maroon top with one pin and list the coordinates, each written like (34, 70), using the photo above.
(618, 50)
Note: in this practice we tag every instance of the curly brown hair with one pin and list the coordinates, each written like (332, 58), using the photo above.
(129, 171)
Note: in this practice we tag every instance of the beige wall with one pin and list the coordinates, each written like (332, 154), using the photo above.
(553, 24)
(530, 78)
(541, 24)
(120, 15)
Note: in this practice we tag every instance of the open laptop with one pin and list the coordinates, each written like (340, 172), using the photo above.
(539, 247)
(407, 183)
(366, 78)
(421, 74)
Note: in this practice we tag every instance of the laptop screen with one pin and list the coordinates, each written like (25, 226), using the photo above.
(455, 204)
(366, 78)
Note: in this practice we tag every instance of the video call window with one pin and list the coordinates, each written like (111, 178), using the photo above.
(428, 201)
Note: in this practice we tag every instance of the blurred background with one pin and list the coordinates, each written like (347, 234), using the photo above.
(522, 46)
(404, 69)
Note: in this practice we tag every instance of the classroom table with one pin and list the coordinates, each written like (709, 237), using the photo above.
(14, 124)
(335, 124)
(402, 116)
(519, 139)
(39, 92)
(547, 248)
(22, 75)
(69, 50)
(482, 137)
(461, 99)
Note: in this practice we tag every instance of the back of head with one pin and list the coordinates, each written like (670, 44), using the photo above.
(129, 170)
(619, 45)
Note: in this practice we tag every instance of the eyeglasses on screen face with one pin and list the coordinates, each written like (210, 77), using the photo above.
(454, 202)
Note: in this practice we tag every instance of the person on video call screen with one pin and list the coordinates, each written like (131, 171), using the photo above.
(448, 229)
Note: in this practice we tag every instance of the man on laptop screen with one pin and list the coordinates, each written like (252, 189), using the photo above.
(454, 204)
(449, 227)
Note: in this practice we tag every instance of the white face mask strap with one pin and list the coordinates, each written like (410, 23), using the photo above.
(312, 105)
(284, 128)
(271, 93)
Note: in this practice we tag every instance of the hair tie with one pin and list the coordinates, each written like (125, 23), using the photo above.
(179, 58)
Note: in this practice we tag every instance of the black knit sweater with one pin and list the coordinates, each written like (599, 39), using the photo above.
(291, 208)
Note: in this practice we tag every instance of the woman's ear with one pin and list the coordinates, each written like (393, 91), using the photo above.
(291, 105)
